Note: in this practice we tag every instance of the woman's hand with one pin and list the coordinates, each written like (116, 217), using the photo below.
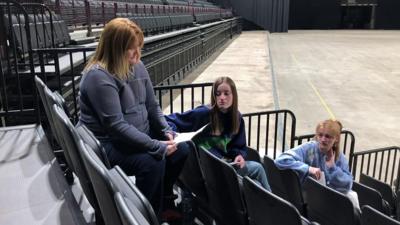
(170, 136)
(315, 172)
(171, 147)
(240, 161)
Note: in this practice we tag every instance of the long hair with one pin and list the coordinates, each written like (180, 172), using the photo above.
(216, 122)
(119, 35)
(334, 128)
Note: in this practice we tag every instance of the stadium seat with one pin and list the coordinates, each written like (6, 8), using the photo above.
(383, 188)
(225, 195)
(89, 139)
(371, 197)
(192, 178)
(253, 155)
(69, 142)
(129, 214)
(371, 216)
(327, 206)
(286, 184)
(108, 182)
(49, 98)
(41, 89)
(263, 206)
(102, 185)
(132, 194)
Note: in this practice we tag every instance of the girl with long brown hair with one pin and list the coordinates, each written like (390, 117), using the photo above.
(225, 136)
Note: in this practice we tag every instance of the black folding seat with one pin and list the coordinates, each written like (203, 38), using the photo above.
(17, 33)
(48, 99)
(168, 22)
(129, 214)
(70, 144)
(36, 32)
(253, 155)
(41, 87)
(131, 193)
(386, 191)
(58, 33)
(61, 30)
(158, 23)
(371, 197)
(108, 182)
(174, 22)
(224, 192)
(327, 206)
(51, 38)
(264, 207)
(141, 22)
(88, 137)
(371, 216)
(286, 184)
(192, 177)
(152, 23)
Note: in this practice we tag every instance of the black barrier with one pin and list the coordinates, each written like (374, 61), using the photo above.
(15, 23)
(381, 164)
(169, 95)
(347, 142)
(274, 131)
(167, 57)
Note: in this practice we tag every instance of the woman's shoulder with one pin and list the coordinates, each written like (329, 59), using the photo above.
(140, 71)
(97, 73)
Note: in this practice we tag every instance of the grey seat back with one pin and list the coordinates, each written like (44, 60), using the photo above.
(383, 188)
(371, 216)
(89, 138)
(371, 197)
(225, 195)
(69, 141)
(286, 184)
(264, 206)
(130, 215)
(327, 206)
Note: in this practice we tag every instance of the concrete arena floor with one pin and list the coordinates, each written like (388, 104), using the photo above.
(350, 75)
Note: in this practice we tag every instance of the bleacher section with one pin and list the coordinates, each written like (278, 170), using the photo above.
(174, 43)
(179, 36)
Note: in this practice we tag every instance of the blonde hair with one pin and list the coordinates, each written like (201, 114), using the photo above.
(216, 123)
(119, 35)
(334, 128)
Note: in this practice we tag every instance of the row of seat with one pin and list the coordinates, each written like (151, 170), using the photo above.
(112, 194)
(82, 12)
(217, 193)
(43, 33)
(227, 198)
(161, 24)
(212, 196)
(312, 199)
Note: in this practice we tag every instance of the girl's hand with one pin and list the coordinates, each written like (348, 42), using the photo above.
(315, 172)
(240, 161)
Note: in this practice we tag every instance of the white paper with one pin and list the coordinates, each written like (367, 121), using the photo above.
(182, 137)
(322, 179)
